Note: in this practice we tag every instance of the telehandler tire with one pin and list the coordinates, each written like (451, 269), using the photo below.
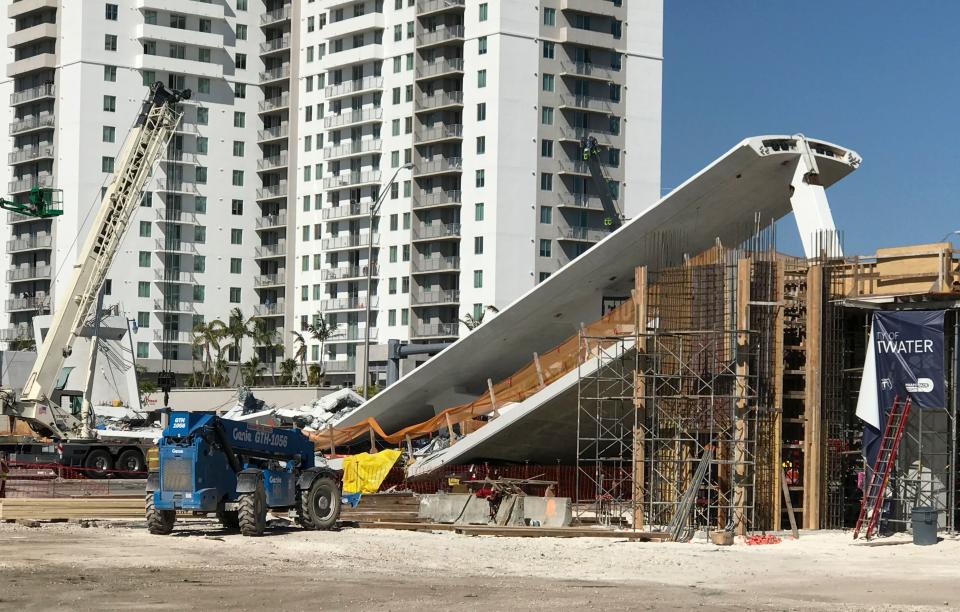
(159, 522)
(252, 512)
(320, 505)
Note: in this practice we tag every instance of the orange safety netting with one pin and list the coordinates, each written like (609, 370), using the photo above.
(521, 384)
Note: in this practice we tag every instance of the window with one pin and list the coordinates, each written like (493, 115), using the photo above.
(478, 211)
(544, 247)
(110, 104)
(203, 85)
(396, 95)
(311, 24)
(110, 73)
(483, 11)
(199, 264)
(308, 114)
(236, 236)
(409, 29)
(177, 51)
(393, 254)
(478, 245)
(147, 200)
(239, 119)
(478, 279)
(549, 16)
(394, 222)
(149, 77)
(143, 350)
(481, 145)
(241, 32)
(398, 32)
(241, 61)
(481, 78)
(145, 229)
(144, 257)
(199, 234)
(239, 90)
(236, 265)
(238, 148)
(309, 54)
(546, 148)
(109, 133)
(482, 45)
(547, 82)
(200, 204)
(408, 93)
(391, 317)
(546, 115)
(546, 181)
(392, 286)
(304, 293)
(150, 17)
(404, 316)
(482, 111)
(106, 164)
(203, 116)
(546, 214)
(238, 178)
(201, 175)
(236, 207)
(395, 127)
(143, 289)
(241, 5)
(307, 143)
(409, 61)
(199, 291)
(143, 319)
(202, 145)
(613, 157)
(178, 21)
(406, 220)
(480, 178)
(205, 26)
(544, 276)
(149, 47)
(405, 285)
(548, 49)
(203, 55)
(110, 42)
(234, 295)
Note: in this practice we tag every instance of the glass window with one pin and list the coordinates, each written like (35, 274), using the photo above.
(546, 181)
(110, 42)
(547, 82)
(236, 207)
(143, 319)
(236, 236)
(144, 259)
(546, 214)
(480, 178)
(544, 247)
(234, 295)
(241, 32)
(483, 11)
(546, 115)
(110, 104)
(236, 265)
(110, 73)
(478, 245)
(482, 111)
(481, 145)
(482, 45)
(548, 49)
(199, 264)
(143, 350)
(481, 78)
(106, 164)
(238, 178)
(478, 279)
(550, 16)
(143, 289)
(239, 119)
(203, 85)
(478, 211)
(199, 234)
(203, 115)
(146, 228)
(109, 133)
(546, 148)
(238, 148)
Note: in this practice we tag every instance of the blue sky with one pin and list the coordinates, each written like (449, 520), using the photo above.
(879, 77)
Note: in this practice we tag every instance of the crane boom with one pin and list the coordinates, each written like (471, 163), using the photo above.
(144, 145)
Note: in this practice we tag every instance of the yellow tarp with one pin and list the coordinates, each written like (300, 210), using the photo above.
(364, 473)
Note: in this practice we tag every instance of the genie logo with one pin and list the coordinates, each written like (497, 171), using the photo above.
(923, 385)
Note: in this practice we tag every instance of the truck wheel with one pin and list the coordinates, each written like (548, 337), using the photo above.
(129, 462)
(320, 506)
(159, 522)
(230, 519)
(252, 512)
(98, 462)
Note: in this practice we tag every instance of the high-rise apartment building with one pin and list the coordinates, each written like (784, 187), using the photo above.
(489, 102)
(303, 112)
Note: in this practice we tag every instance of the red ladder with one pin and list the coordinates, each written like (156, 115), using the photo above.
(880, 475)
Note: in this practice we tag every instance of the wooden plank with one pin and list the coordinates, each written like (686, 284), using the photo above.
(493, 398)
(639, 394)
(812, 442)
(778, 362)
(786, 499)
(536, 362)
(741, 427)
(523, 532)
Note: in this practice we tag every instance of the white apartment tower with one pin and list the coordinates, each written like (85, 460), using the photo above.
(489, 102)
(78, 73)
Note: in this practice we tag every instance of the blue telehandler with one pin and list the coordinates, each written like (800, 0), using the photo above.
(238, 470)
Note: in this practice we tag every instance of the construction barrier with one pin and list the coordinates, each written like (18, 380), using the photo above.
(51, 480)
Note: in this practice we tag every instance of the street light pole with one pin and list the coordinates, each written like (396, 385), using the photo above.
(366, 325)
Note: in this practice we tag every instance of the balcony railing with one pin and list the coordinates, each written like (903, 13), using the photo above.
(586, 234)
(28, 273)
(433, 166)
(27, 303)
(169, 305)
(272, 221)
(175, 186)
(438, 67)
(353, 116)
(432, 231)
(355, 209)
(438, 100)
(281, 101)
(272, 191)
(29, 182)
(16, 332)
(271, 250)
(176, 215)
(269, 280)
(274, 161)
(440, 132)
(13, 217)
(31, 123)
(573, 166)
(276, 44)
(175, 246)
(340, 366)
(430, 6)
(353, 333)
(171, 336)
(357, 147)
(438, 296)
(356, 302)
(30, 154)
(580, 200)
(351, 272)
(29, 243)
(430, 330)
(436, 264)
(177, 156)
(350, 179)
(438, 198)
(588, 69)
(440, 35)
(349, 241)
(34, 93)
(274, 74)
(604, 105)
(277, 131)
(349, 87)
(269, 310)
(174, 276)
(280, 14)
(579, 133)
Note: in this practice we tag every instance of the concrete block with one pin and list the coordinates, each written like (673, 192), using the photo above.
(548, 511)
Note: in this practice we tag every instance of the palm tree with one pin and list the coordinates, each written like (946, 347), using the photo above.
(266, 339)
(288, 369)
(251, 370)
(237, 328)
(300, 353)
(321, 331)
(472, 322)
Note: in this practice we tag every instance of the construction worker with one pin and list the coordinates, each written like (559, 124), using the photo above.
(4, 470)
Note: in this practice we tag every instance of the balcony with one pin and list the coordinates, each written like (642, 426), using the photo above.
(438, 166)
(167, 34)
(356, 117)
(276, 132)
(425, 7)
(586, 69)
(27, 303)
(576, 134)
(436, 231)
(349, 149)
(274, 309)
(275, 74)
(174, 306)
(347, 88)
(175, 246)
(272, 162)
(437, 101)
(348, 273)
(275, 16)
(41, 61)
(175, 215)
(174, 276)
(435, 330)
(271, 222)
(437, 198)
(580, 200)
(31, 123)
(440, 36)
(27, 183)
(593, 7)
(276, 103)
(349, 241)
(270, 280)
(436, 297)
(29, 243)
(33, 94)
(13, 217)
(424, 265)
(438, 68)
(344, 211)
(356, 302)
(583, 234)
(30, 154)
(187, 128)
(28, 273)
(170, 336)
(271, 250)
(281, 43)
(25, 7)
(448, 131)
(587, 103)
(31, 35)
(177, 187)
(353, 333)
(175, 156)
(17, 332)
(352, 179)
(573, 166)
(589, 38)
(159, 63)
(340, 366)
(213, 10)
(272, 191)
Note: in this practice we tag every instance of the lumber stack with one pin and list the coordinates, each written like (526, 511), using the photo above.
(383, 507)
(71, 508)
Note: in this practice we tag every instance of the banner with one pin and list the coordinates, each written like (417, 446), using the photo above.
(905, 357)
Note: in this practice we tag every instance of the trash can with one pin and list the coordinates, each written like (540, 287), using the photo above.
(924, 520)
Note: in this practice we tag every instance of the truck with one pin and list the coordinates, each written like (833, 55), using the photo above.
(67, 419)
(238, 470)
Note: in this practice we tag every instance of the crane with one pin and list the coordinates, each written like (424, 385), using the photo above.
(39, 403)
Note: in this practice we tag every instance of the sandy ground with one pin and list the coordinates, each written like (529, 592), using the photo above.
(119, 566)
